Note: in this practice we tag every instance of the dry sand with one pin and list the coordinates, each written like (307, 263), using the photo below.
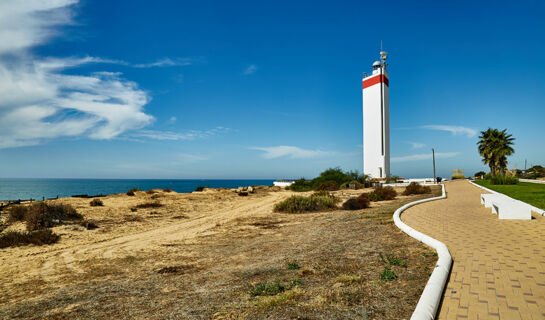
(196, 256)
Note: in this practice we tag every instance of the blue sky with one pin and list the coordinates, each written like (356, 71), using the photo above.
(261, 89)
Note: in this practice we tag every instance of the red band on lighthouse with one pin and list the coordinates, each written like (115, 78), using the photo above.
(374, 80)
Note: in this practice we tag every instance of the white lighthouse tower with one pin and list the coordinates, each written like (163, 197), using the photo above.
(376, 121)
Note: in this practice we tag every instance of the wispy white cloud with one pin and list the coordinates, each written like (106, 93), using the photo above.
(416, 145)
(166, 62)
(424, 156)
(189, 158)
(290, 152)
(39, 102)
(251, 69)
(173, 136)
(455, 130)
(171, 120)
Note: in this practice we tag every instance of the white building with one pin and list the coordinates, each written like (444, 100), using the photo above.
(376, 121)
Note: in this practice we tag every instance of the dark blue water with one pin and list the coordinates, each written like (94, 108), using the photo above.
(14, 189)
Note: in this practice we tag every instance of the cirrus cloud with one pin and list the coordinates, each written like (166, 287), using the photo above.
(455, 130)
(290, 152)
(424, 156)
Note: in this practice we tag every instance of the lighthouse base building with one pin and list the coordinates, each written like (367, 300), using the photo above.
(376, 119)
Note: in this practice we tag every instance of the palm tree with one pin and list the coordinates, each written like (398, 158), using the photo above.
(494, 146)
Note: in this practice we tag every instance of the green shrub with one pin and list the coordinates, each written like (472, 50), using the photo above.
(17, 213)
(381, 193)
(154, 204)
(299, 204)
(330, 185)
(358, 203)
(387, 274)
(200, 188)
(416, 188)
(301, 185)
(503, 180)
(16, 238)
(396, 262)
(132, 192)
(293, 266)
(96, 203)
(266, 289)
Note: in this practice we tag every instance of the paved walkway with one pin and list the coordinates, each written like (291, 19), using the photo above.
(499, 265)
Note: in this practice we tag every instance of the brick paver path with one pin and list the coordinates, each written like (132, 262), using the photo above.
(499, 265)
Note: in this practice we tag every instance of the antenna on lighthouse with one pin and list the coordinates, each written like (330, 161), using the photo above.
(383, 56)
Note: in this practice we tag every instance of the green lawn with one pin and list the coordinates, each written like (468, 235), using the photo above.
(531, 193)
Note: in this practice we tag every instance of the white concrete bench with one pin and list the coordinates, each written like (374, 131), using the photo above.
(508, 208)
(486, 199)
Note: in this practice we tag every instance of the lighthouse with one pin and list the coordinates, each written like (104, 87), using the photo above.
(376, 121)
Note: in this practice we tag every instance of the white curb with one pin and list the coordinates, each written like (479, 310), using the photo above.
(431, 296)
(535, 209)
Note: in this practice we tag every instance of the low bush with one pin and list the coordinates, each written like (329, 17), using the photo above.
(330, 185)
(17, 213)
(41, 215)
(298, 204)
(199, 188)
(358, 203)
(301, 185)
(503, 180)
(132, 192)
(154, 204)
(381, 193)
(266, 289)
(89, 225)
(16, 238)
(167, 190)
(352, 185)
(96, 203)
(416, 188)
(457, 177)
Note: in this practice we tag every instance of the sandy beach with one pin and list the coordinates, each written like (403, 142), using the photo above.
(197, 255)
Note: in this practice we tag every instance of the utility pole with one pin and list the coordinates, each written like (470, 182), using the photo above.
(433, 156)
(525, 164)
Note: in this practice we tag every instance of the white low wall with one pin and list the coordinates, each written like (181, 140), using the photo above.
(431, 296)
(535, 209)
(532, 181)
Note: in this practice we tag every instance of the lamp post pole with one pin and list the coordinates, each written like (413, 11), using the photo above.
(433, 156)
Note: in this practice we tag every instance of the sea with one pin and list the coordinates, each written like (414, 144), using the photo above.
(24, 189)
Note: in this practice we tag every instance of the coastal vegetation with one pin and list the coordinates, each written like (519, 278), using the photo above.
(38, 218)
(331, 179)
(532, 193)
(21, 238)
(132, 192)
(381, 193)
(416, 188)
(96, 203)
(318, 201)
(357, 203)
